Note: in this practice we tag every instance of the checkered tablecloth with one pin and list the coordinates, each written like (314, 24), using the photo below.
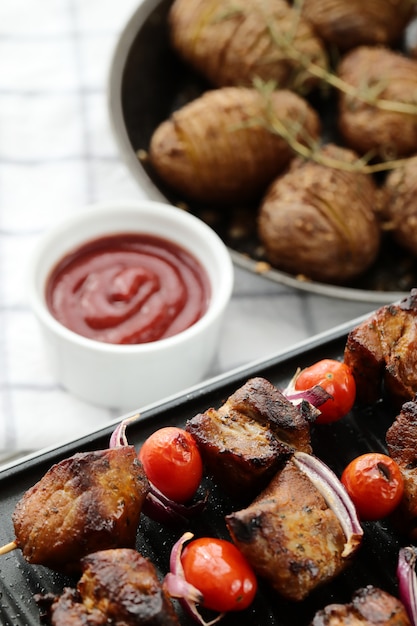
(57, 154)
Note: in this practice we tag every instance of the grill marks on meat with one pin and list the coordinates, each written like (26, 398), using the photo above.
(290, 535)
(369, 605)
(401, 440)
(240, 467)
(118, 587)
(85, 503)
(260, 400)
(251, 436)
(383, 351)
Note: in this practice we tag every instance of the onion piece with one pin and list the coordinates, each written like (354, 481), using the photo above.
(118, 437)
(337, 498)
(315, 395)
(407, 581)
(162, 509)
(177, 586)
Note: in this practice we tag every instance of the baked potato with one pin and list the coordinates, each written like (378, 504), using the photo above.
(219, 148)
(350, 23)
(400, 204)
(318, 222)
(231, 42)
(380, 74)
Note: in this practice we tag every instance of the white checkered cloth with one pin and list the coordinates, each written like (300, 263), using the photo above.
(57, 154)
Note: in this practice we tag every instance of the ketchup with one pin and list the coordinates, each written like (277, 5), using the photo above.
(128, 289)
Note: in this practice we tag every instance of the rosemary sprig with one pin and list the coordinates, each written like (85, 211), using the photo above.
(307, 147)
(294, 134)
(284, 42)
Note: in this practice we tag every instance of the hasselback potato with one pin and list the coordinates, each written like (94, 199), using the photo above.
(232, 42)
(400, 204)
(379, 74)
(318, 221)
(350, 23)
(219, 148)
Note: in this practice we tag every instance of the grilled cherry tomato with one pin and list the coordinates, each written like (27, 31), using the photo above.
(375, 485)
(172, 462)
(337, 379)
(219, 570)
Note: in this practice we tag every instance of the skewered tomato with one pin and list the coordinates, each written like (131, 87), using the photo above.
(172, 462)
(334, 377)
(375, 485)
(220, 571)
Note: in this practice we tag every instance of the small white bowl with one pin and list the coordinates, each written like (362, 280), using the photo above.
(131, 376)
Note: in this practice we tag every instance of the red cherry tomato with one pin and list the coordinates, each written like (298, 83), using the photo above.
(220, 571)
(337, 379)
(375, 485)
(172, 462)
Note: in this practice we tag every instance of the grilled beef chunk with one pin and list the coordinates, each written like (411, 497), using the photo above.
(251, 436)
(290, 535)
(369, 606)
(401, 440)
(118, 587)
(88, 502)
(382, 350)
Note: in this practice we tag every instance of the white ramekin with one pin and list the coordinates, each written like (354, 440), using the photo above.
(130, 376)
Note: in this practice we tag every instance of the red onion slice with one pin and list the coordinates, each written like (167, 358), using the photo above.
(162, 509)
(118, 437)
(332, 490)
(407, 581)
(315, 396)
(176, 585)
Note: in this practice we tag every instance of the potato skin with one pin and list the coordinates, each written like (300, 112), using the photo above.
(400, 204)
(318, 222)
(213, 150)
(230, 42)
(347, 24)
(366, 128)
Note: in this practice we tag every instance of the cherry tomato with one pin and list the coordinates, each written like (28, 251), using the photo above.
(172, 462)
(375, 485)
(220, 571)
(337, 379)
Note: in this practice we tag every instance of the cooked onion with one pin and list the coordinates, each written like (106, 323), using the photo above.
(176, 585)
(118, 437)
(407, 581)
(162, 509)
(316, 395)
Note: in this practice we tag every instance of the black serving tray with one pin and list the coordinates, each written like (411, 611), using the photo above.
(363, 430)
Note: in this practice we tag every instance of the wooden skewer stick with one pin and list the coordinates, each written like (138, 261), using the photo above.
(8, 547)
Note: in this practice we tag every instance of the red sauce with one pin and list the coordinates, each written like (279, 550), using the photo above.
(128, 289)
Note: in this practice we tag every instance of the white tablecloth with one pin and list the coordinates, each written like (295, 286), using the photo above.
(57, 154)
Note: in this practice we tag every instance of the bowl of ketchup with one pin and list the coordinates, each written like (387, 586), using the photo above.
(130, 301)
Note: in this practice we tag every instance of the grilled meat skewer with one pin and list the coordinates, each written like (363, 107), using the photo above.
(369, 606)
(251, 436)
(87, 502)
(401, 438)
(117, 587)
(290, 535)
(382, 350)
